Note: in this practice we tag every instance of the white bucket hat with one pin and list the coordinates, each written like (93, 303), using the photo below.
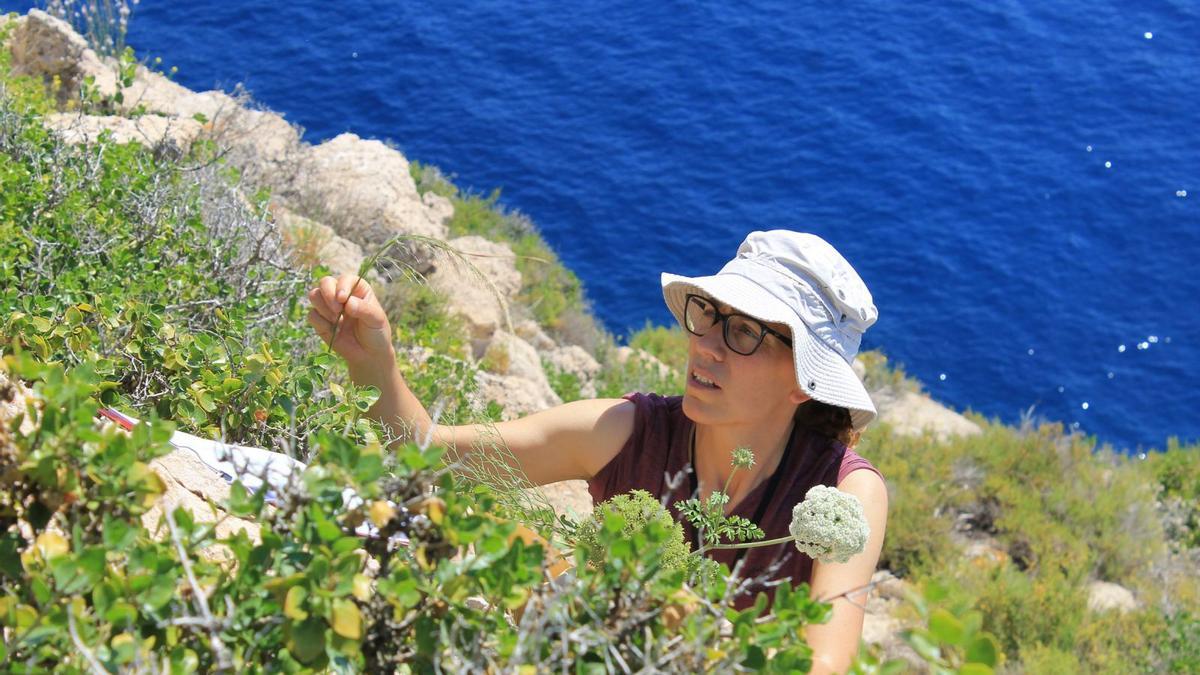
(800, 280)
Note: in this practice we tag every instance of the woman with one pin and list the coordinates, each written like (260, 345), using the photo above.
(771, 339)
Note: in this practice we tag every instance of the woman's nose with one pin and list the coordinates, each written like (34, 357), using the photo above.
(712, 343)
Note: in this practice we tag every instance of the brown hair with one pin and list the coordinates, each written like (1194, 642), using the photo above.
(826, 420)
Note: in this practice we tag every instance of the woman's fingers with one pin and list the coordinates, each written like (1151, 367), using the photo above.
(324, 298)
(350, 300)
(330, 295)
(322, 326)
(369, 313)
(350, 284)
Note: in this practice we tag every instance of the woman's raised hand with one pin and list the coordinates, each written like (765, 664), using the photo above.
(364, 336)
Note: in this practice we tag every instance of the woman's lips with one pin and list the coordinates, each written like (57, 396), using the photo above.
(701, 380)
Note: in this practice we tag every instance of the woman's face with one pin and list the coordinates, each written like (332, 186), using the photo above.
(727, 388)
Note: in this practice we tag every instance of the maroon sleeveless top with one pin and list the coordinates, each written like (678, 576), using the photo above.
(658, 450)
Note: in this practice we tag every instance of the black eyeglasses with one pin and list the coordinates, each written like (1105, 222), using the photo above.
(743, 334)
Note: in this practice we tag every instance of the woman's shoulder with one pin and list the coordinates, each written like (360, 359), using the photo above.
(851, 462)
(651, 401)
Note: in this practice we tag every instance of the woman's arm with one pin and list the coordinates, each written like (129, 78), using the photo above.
(835, 643)
(571, 441)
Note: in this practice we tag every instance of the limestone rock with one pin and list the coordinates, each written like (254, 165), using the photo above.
(569, 498)
(859, 368)
(529, 331)
(46, 47)
(440, 209)
(193, 485)
(264, 146)
(15, 398)
(474, 298)
(881, 629)
(1103, 596)
(368, 186)
(625, 354)
(153, 131)
(577, 361)
(517, 357)
(154, 92)
(517, 396)
(911, 413)
(312, 243)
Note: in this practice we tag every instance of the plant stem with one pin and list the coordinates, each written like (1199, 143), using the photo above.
(753, 544)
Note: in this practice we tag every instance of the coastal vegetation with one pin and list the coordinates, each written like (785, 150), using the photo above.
(159, 283)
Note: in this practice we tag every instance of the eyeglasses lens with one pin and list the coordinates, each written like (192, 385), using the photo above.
(742, 334)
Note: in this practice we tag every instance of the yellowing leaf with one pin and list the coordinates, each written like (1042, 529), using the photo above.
(122, 639)
(51, 545)
(26, 617)
(434, 508)
(381, 513)
(292, 605)
(362, 587)
(347, 621)
(337, 390)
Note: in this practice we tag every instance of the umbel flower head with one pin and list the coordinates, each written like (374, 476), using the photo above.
(829, 525)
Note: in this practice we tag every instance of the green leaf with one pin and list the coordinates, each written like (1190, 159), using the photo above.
(923, 646)
(121, 614)
(975, 669)
(327, 530)
(945, 627)
(307, 639)
(984, 650)
(10, 555)
(755, 659)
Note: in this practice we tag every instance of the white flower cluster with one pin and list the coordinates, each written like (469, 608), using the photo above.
(829, 525)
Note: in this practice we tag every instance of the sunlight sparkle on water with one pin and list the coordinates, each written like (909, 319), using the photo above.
(1148, 35)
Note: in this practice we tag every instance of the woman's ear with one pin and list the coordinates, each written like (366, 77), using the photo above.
(798, 397)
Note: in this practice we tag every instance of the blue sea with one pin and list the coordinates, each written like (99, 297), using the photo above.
(1017, 182)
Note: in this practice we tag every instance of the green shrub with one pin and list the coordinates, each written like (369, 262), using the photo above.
(668, 344)
(635, 512)
(1177, 473)
(882, 375)
(419, 316)
(565, 384)
(1053, 513)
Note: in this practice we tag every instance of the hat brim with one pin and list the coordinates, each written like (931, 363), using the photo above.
(820, 371)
